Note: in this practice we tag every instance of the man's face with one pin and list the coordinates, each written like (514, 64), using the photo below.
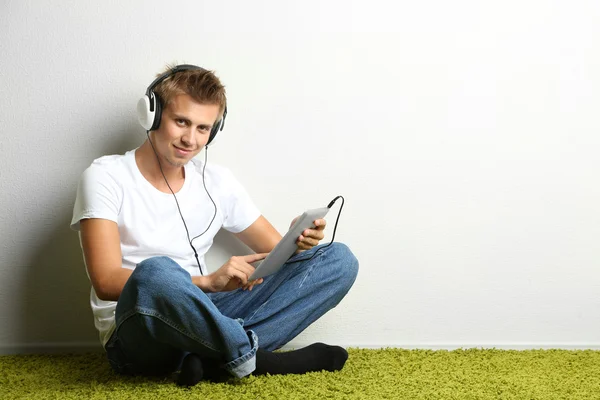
(184, 129)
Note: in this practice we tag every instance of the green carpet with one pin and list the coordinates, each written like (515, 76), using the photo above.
(368, 374)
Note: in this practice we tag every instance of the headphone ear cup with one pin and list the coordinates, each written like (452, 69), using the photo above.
(149, 111)
(157, 113)
(145, 116)
(213, 132)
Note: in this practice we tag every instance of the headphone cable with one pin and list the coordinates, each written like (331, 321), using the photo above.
(209, 196)
(187, 232)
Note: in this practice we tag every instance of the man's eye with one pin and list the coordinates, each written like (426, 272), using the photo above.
(180, 122)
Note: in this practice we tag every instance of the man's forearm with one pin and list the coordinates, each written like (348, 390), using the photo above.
(111, 288)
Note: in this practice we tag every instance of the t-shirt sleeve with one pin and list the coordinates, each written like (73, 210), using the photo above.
(98, 196)
(239, 209)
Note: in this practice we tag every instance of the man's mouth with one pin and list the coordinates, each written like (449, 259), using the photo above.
(182, 150)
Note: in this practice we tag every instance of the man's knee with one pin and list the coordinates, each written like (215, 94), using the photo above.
(344, 263)
(156, 274)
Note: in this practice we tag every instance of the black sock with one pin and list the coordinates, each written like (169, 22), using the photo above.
(191, 370)
(213, 371)
(316, 357)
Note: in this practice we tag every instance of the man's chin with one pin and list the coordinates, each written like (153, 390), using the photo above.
(178, 162)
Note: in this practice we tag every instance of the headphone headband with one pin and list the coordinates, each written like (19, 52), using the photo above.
(172, 71)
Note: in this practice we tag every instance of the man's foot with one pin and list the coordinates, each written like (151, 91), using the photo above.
(213, 371)
(192, 371)
(316, 357)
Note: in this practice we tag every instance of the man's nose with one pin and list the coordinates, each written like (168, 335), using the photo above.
(189, 138)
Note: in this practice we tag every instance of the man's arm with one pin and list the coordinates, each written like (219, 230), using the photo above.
(261, 236)
(102, 251)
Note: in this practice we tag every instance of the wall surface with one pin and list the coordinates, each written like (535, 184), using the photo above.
(463, 136)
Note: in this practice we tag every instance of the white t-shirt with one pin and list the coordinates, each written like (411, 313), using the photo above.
(113, 188)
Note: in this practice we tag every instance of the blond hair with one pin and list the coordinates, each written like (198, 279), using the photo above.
(200, 84)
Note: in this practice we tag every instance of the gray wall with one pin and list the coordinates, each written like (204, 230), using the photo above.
(463, 135)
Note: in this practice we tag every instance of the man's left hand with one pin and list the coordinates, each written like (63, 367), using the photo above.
(310, 237)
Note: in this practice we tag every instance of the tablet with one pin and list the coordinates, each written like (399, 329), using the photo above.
(287, 246)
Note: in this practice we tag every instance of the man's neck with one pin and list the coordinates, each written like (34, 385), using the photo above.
(147, 162)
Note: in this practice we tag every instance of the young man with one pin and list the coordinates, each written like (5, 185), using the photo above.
(146, 219)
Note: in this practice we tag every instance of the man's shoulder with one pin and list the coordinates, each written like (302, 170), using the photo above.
(112, 161)
(114, 167)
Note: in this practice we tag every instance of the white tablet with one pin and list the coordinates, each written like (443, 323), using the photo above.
(287, 246)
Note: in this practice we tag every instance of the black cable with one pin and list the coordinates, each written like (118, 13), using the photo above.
(209, 196)
(187, 232)
(334, 229)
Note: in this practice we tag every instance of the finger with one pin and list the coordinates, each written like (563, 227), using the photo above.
(304, 246)
(247, 270)
(308, 241)
(241, 263)
(240, 276)
(301, 241)
(256, 282)
(253, 283)
(250, 258)
(238, 267)
(315, 234)
(320, 224)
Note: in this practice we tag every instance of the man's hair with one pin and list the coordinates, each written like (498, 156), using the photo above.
(202, 85)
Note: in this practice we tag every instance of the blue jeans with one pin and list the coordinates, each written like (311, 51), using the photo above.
(161, 316)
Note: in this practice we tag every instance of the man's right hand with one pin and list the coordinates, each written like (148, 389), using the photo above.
(234, 274)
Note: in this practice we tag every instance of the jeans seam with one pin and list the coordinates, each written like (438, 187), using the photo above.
(124, 318)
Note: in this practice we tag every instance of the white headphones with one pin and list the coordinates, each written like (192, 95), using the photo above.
(149, 107)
